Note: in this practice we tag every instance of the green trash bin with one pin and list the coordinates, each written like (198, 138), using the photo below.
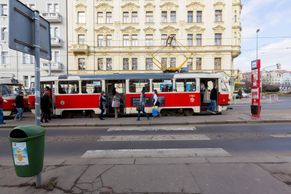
(27, 144)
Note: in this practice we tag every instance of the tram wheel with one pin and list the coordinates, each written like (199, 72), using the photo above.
(188, 112)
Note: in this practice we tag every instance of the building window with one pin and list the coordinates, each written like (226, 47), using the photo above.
(4, 34)
(134, 64)
(134, 17)
(100, 63)
(164, 39)
(217, 63)
(173, 16)
(218, 15)
(190, 39)
(81, 38)
(27, 59)
(235, 16)
(25, 81)
(199, 16)
(198, 63)
(218, 39)
(149, 40)
(100, 40)
(149, 17)
(108, 17)
(53, 7)
(164, 62)
(125, 63)
(4, 57)
(108, 64)
(100, 18)
(198, 39)
(81, 64)
(190, 17)
(172, 62)
(190, 63)
(81, 17)
(164, 16)
(55, 31)
(3, 10)
(109, 40)
(125, 17)
(149, 63)
(134, 40)
(56, 56)
(126, 40)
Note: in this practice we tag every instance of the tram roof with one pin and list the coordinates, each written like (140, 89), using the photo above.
(122, 76)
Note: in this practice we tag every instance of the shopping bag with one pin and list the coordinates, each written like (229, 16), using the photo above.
(155, 111)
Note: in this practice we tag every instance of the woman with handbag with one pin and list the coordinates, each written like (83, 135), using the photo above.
(141, 105)
(115, 102)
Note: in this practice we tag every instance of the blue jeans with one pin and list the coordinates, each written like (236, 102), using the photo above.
(1, 116)
(19, 113)
(143, 111)
(212, 106)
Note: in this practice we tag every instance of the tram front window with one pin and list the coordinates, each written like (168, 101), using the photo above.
(68, 87)
(10, 90)
(163, 85)
(91, 86)
(186, 85)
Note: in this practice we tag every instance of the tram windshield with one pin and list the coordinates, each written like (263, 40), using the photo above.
(10, 89)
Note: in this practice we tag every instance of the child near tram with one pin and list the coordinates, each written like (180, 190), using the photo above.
(141, 105)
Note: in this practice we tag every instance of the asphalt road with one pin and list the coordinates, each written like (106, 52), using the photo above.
(235, 139)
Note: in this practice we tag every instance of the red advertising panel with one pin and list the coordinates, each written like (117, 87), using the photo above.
(256, 88)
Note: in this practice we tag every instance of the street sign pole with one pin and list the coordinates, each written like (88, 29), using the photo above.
(37, 79)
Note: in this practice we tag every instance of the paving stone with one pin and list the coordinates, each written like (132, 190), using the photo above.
(92, 173)
(9, 178)
(150, 178)
(236, 178)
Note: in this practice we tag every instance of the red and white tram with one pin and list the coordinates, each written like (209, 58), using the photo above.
(9, 88)
(178, 93)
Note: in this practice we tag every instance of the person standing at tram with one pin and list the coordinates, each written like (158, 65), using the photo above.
(115, 102)
(1, 109)
(141, 105)
(102, 105)
(213, 99)
(45, 107)
(19, 103)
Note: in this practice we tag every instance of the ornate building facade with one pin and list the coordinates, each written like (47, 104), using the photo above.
(108, 36)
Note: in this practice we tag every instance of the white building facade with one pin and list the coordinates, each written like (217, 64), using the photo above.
(22, 65)
(108, 36)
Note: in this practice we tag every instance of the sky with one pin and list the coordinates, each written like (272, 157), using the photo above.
(273, 18)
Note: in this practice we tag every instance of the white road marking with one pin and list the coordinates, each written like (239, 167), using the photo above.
(281, 135)
(162, 128)
(156, 153)
(174, 137)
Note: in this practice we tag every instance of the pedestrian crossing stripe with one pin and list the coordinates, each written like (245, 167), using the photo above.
(162, 128)
(156, 153)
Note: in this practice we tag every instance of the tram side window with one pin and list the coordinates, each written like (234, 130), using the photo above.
(163, 85)
(49, 86)
(186, 85)
(91, 86)
(68, 87)
(136, 85)
(223, 86)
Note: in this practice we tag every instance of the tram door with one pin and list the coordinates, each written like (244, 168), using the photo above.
(119, 87)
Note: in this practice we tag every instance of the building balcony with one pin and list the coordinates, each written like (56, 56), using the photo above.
(53, 17)
(56, 42)
(53, 66)
(79, 48)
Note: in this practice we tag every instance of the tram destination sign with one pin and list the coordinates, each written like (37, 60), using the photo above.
(22, 30)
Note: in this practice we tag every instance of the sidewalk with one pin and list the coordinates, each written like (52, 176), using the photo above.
(198, 175)
(234, 116)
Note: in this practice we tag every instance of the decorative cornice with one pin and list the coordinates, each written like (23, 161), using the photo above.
(104, 30)
(195, 28)
(104, 7)
(169, 29)
(195, 5)
(130, 30)
(130, 7)
(169, 6)
(149, 7)
(149, 30)
(219, 4)
(218, 28)
(81, 30)
(80, 7)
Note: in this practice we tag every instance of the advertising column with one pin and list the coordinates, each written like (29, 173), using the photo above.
(256, 88)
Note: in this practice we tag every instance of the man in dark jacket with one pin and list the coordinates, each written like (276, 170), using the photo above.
(19, 103)
(45, 106)
(213, 99)
(102, 105)
(1, 109)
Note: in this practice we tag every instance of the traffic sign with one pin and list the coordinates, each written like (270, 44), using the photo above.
(22, 30)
